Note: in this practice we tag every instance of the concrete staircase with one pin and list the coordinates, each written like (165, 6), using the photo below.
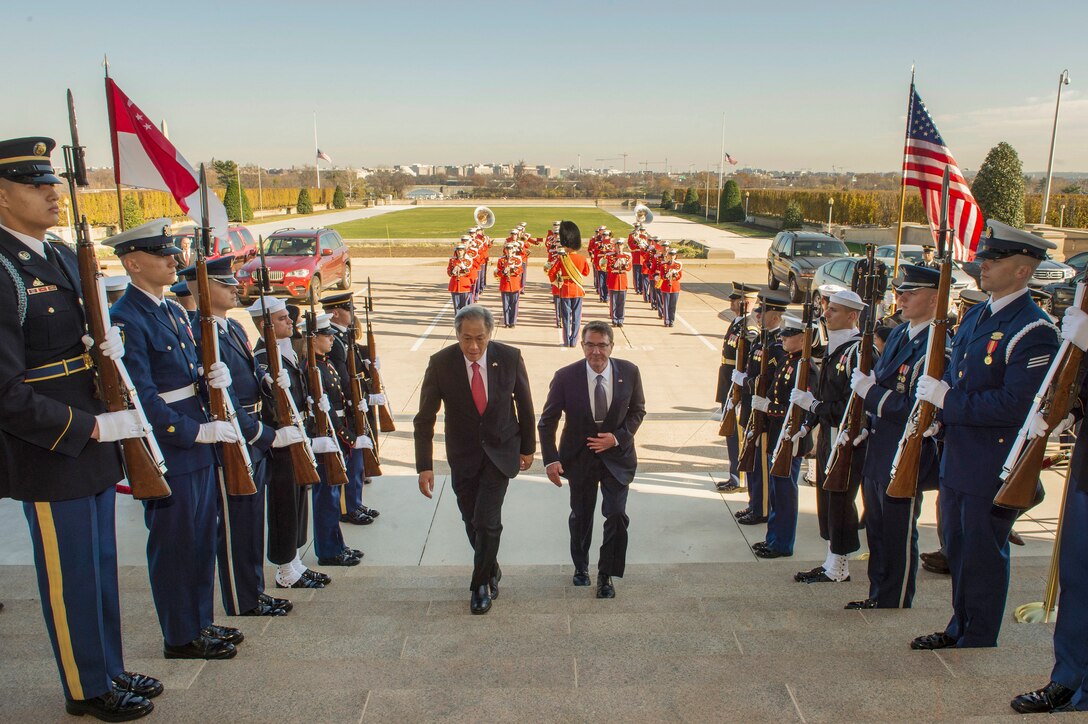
(693, 642)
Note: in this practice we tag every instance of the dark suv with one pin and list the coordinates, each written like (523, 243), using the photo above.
(794, 257)
(298, 259)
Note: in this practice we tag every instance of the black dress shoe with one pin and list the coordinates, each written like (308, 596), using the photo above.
(223, 633)
(939, 640)
(138, 684)
(858, 605)
(480, 602)
(769, 552)
(581, 578)
(727, 486)
(303, 581)
(114, 705)
(752, 519)
(264, 609)
(759, 544)
(1051, 697)
(277, 602)
(355, 553)
(318, 576)
(742, 513)
(800, 576)
(822, 577)
(344, 559)
(203, 647)
(369, 511)
(605, 589)
(356, 517)
(493, 582)
(936, 563)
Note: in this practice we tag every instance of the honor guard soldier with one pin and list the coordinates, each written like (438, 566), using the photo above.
(341, 308)
(672, 271)
(860, 281)
(240, 549)
(165, 368)
(288, 502)
(509, 269)
(825, 405)
(58, 455)
(459, 271)
(891, 524)
(999, 358)
(742, 326)
(929, 260)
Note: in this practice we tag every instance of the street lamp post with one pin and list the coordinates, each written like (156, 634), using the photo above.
(830, 208)
(1063, 79)
(746, 195)
(1061, 216)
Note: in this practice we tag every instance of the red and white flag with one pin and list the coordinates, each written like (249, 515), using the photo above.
(730, 160)
(145, 158)
(321, 155)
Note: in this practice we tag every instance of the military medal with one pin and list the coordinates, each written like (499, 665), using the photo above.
(901, 379)
(991, 346)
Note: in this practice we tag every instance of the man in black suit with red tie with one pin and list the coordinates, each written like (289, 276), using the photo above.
(604, 405)
(490, 435)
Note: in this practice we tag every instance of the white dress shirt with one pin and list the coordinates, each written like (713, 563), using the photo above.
(996, 305)
(35, 245)
(483, 371)
(591, 379)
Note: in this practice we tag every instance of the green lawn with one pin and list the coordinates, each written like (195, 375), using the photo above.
(737, 228)
(450, 223)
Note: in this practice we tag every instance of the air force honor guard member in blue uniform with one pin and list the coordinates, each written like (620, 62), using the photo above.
(56, 442)
(240, 549)
(999, 357)
(165, 369)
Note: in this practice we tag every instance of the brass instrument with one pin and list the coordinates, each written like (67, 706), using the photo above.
(513, 264)
(643, 215)
(673, 272)
(485, 217)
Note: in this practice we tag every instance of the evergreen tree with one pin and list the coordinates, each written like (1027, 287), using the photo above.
(666, 199)
(304, 205)
(792, 218)
(224, 171)
(691, 201)
(730, 207)
(338, 199)
(131, 212)
(999, 186)
(230, 201)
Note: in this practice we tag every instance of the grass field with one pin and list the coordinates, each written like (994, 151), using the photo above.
(450, 223)
(735, 227)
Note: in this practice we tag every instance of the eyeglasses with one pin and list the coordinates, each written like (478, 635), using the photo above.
(600, 347)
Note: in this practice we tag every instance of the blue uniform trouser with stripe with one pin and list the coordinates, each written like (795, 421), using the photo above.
(510, 307)
(460, 299)
(640, 278)
(617, 304)
(891, 531)
(782, 522)
(328, 539)
(181, 544)
(976, 542)
(240, 549)
(732, 448)
(668, 306)
(1071, 631)
(570, 313)
(75, 554)
(351, 497)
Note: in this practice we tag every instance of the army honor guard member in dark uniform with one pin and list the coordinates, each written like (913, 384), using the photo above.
(742, 325)
(999, 357)
(57, 451)
(163, 363)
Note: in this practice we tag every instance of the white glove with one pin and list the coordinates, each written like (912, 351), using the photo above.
(323, 404)
(760, 403)
(861, 436)
(932, 390)
(218, 431)
(1037, 426)
(112, 346)
(861, 383)
(363, 443)
(363, 407)
(218, 376)
(377, 363)
(283, 379)
(1075, 327)
(324, 445)
(803, 399)
(932, 430)
(738, 378)
(288, 436)
(377, 398)
(801, 432)
(123, 425)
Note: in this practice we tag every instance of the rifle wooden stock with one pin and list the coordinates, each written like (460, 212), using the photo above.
(303, 467)
(782, 463)
(840, 464)
(371, 465)
(336, 472)
(757, 420)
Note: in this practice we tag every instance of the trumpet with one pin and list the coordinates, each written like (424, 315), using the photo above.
(673, 272)
(622, 263)
(512, 265)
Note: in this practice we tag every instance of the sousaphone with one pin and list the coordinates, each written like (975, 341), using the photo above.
(643, 214)
(484, 217)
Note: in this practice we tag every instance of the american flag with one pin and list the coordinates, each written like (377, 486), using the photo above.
(730, 160)
(924, 160)
(323, 156)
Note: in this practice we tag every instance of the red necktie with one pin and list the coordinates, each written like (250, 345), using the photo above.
(479, 395)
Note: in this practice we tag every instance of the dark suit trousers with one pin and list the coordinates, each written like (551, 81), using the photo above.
(288, 513)
(583, 504)
(479, 497)
(837, 513)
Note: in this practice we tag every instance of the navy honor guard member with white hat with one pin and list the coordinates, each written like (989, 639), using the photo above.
(999, 357)
(57, 442)
(165, 368)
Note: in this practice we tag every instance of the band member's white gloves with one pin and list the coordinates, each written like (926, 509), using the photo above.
(803, 399)
(760, 403)
(112, 346)
(1075, 327)
(861, 383)
(363, 443)
(932, 390)
(1037, 426)
(286, 436)
(123, 425)
(363, 407)
(738, 378)
(218, 431)
(377, 398)
(324, 445)
(218, 376)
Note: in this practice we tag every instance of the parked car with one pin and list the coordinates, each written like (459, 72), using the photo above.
(1048, 272)
(1060, 295)
(912, 254)
(838, 271)
(794, 257)
(1078, 261)
(240, 243)
(298, 259)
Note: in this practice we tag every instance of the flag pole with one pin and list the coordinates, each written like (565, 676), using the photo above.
(241, 210)
(113, 134)
(903, 182)
(721, 176)
(317, 161)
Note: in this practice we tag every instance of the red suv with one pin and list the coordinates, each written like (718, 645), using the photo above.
(240, 243)
(296, 259)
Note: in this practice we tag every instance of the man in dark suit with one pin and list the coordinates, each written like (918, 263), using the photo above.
(604, 406)
(489, 430)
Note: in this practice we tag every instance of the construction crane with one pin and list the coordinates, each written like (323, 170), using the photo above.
(617, 158)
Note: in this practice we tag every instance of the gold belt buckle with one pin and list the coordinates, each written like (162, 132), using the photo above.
(88, 361)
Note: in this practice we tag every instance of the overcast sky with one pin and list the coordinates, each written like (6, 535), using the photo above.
(801, 85)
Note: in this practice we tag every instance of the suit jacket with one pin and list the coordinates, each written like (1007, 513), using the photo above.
(506, 429)
(569, 396)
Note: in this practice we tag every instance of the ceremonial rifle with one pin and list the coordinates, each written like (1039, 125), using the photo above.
(303, 462)
(728, 427)
(385, 417)
(237, 466)
(1055, 398)
(336, 471)
(837, 472)
(757, 420)
(784, 452)
(371, 466)
(908, 455)
(144, 464)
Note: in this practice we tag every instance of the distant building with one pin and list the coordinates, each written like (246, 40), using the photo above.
(479, 171)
